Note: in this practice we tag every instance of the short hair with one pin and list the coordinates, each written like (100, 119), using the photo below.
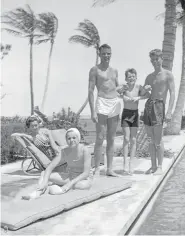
(104, 46)
(156, 52)
(131, 70)
(32, 119)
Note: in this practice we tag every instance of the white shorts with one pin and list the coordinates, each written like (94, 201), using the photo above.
(108, 107)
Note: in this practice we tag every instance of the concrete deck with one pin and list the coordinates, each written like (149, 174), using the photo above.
(112, 215)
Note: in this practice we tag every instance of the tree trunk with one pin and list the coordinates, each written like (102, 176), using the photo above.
(47, 78)
(87, 99)
(175, 125)
(169, 34)
(31, 76)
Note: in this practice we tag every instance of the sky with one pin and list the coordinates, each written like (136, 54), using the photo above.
(130, 27)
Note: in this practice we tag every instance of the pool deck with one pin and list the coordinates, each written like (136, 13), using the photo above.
(112, 215)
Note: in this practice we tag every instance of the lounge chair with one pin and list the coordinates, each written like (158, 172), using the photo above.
(36, 160)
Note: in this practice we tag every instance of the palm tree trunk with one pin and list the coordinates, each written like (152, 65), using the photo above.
(82, 107)
(87, 99)
(169, 34)
(175, 125)
(47, 78)
(31, 77)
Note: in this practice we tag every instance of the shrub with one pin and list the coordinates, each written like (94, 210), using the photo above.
(144, 153)
(10, 150)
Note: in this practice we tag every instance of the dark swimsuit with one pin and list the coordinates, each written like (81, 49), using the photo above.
(130, 118)
(154, 112)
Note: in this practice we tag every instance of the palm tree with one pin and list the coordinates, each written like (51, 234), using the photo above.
(89, 38)
(22, 23)
(47, 24)
(175, 125)
(170, 27)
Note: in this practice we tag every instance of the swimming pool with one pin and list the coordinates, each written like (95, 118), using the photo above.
(167, 216)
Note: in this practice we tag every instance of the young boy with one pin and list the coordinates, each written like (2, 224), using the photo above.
(132, 93)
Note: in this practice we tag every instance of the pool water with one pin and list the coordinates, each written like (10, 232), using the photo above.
(168, 213)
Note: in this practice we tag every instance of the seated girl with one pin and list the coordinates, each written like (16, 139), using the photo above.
(76, 155)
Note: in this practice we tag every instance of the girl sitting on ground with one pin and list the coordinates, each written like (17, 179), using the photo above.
(76, 155)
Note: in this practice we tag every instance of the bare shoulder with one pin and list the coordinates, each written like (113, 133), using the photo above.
(93, 70)
(114, 70)
(168, 74)
(150, 76)
(82, 147)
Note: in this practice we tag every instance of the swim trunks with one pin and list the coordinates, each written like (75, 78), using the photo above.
(154, 112)
(108, 107)
(130, 118)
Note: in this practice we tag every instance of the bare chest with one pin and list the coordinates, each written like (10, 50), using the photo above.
(159, 82)
(106, 78)
(133, 92)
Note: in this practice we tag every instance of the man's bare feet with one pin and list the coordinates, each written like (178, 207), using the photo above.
(158, 171)
(112, 173)
(151, 171)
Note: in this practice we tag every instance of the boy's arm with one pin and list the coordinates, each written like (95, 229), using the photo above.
(171, 87)
(126, 98)
(143, 93)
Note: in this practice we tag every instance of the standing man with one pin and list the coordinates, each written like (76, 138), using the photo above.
(160, 81)
(108, 106)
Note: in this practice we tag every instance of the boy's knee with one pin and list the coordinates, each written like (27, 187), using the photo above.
(126, 139)
(99, 139)
(110, 140)
(133, 141)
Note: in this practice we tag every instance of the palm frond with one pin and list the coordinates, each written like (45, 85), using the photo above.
(160, 16)
(21, 19)
(81, 39)
(13, 32)
(41, 41)
(89, 30)
(102, 3)
(47, 23)
(11, 20)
